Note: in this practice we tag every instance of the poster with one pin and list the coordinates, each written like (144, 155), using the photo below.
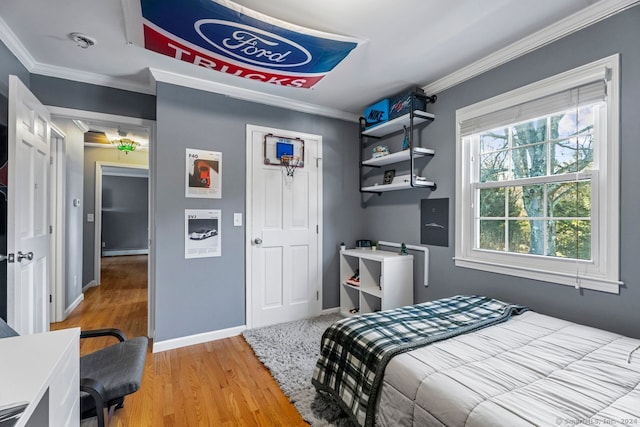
(203, 174)
(202, 233)
(229, 38)
(434, 222)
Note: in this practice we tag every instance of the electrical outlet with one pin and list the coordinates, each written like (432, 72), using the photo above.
(237, 219)
(104, 244)
(90, 217)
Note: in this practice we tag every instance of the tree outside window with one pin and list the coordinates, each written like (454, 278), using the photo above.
(551, 218)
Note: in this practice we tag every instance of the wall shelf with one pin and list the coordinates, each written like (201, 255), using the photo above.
(400, 156)
(398, 124)
(394, 186)
(408, 123)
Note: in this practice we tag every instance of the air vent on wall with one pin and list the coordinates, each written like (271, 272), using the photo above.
(96, 137)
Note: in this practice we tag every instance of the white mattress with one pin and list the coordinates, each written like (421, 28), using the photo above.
(531, 370)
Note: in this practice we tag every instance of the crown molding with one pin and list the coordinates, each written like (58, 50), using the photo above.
(579, 20)
(15, 46)
(248, 95)
(91, 78)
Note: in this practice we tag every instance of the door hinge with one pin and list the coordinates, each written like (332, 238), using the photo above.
(317, 229)
(51, 160)
(51, 229)
(317, 295)
(318, 161)
(50, 298)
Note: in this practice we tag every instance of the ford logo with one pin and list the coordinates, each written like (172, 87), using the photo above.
(252, 45)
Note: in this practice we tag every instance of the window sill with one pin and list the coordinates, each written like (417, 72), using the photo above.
(586, 282)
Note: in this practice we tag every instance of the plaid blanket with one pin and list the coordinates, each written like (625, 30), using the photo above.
(355, 351)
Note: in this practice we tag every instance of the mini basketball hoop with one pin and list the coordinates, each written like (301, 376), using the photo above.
(290, 163)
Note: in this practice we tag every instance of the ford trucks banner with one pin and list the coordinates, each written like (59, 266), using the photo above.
(223, 36)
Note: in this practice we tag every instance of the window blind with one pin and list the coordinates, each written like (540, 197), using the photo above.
(561, 101)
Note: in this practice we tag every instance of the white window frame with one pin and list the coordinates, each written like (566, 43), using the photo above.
(602, 273)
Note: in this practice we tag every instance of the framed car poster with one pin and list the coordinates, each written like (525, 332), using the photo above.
(202, 233)
(203, 174)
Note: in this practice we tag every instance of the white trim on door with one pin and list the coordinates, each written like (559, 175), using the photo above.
(248, 214)
(58, 215)
(151, 260)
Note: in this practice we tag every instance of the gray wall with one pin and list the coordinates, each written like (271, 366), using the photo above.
(9, 64)
(201, 295)
(83, 96)
(124, 213)
(618, 34)
(91, 156)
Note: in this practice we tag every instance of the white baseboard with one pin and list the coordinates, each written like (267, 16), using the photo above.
(91, 284)
(73, 306)
(330, 311)
(171, 344)
(126, 252)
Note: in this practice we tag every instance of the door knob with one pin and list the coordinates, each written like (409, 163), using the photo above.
(257, 240)
(28, 256)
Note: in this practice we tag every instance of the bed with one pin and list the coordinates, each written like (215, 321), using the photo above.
(508, 366)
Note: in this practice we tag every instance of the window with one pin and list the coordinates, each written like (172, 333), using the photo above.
(538, 180)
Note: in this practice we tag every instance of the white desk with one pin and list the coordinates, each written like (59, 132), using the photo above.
(44, 370)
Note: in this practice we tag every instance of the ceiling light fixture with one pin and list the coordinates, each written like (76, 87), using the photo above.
(82, 40)
(125, 144)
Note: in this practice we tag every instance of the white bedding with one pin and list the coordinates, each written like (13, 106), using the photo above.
(531, 370)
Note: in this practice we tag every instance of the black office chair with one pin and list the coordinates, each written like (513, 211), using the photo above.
(106, 375)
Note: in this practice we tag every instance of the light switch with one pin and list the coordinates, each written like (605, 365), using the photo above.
(237, 219)
(89, 217)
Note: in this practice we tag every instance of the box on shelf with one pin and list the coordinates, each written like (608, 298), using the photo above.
(395, 106)
(400, 103)
(377, 113)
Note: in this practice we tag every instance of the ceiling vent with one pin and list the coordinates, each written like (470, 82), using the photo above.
(96, 137)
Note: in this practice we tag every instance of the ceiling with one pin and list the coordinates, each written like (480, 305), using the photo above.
(403, 43)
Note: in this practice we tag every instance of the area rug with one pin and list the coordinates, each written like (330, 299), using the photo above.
(290, 351)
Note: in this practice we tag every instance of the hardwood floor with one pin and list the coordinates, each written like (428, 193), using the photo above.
(219, 383)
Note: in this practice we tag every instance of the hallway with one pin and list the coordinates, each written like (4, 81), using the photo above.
(219, 383)
(120, 302)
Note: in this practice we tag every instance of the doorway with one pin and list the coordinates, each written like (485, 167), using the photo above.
(82, 210)
(121, 211)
